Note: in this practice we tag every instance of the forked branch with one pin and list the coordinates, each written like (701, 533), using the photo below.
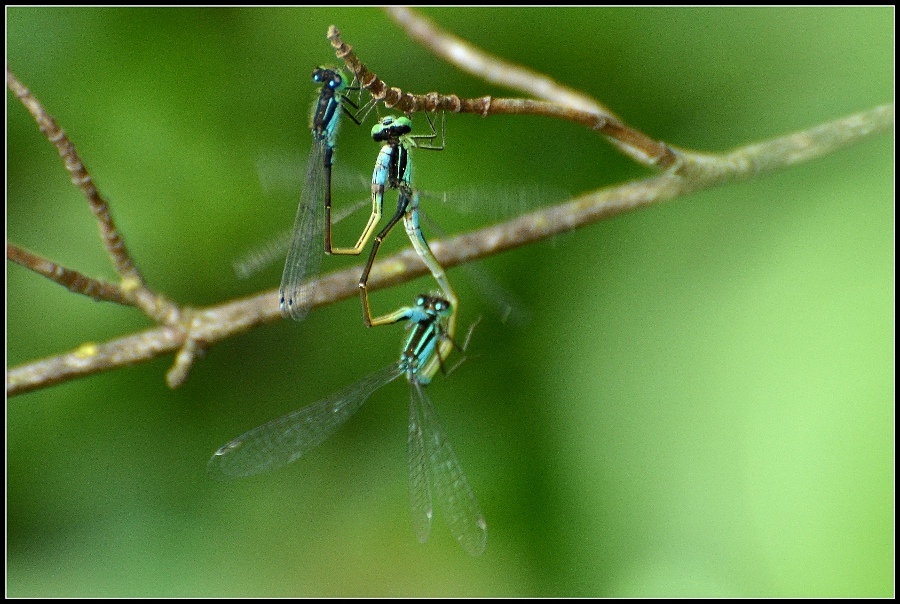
(189, 331)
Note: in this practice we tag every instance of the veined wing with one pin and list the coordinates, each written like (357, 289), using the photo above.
(279, 173)
(306, 248)
(419, 490)
(454, 495)
(287, 438)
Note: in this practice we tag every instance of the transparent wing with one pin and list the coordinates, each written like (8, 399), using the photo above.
(506, 304)
(499, 201)
(306, 248)
(285, 439)
(263, 255)
(419, 491)
(454, 495)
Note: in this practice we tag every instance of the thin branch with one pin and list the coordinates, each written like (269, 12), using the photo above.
(72, 280)
(217, 323)
(488, 67)
(113, 242)
(132, 290)
(133, 287)
(634, 143)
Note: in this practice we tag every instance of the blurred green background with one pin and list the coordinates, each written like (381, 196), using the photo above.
(701, 405)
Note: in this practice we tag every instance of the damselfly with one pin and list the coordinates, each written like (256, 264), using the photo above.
(393, 170)
(303, 259)
(432, 321)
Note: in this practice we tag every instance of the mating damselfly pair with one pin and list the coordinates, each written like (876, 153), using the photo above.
(431, 320)
(313, 224)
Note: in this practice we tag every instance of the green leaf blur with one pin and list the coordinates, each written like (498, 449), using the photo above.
(701, 406)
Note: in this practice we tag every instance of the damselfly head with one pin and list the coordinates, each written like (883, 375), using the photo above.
(332, 78)
(434, 306)
(391, 127)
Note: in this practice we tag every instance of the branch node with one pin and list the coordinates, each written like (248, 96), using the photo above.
(192, 349)
(486, 100)
(369, 81)
(181, 368)
(341, 49)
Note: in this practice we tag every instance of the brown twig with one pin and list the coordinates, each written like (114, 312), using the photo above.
(639, 146)
(488, 67)
(72, 280)
(632, 142)
(132, 290)
(80, 177)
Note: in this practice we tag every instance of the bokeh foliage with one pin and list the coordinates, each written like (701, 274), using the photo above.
(702, 404)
